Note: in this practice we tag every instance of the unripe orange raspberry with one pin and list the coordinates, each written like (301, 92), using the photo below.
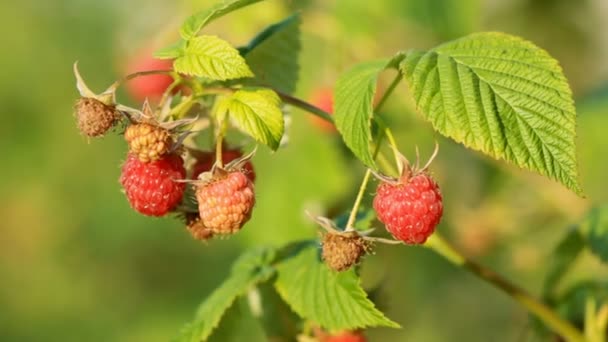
(149, 142)
(225, 202)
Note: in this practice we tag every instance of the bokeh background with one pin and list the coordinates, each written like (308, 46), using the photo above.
(77, 264)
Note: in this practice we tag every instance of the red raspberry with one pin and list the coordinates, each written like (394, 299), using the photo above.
(410, 208)
(150, 187)
(225, 202)
(205, 160)
(346, 336)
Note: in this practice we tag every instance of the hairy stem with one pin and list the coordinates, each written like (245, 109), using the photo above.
(532, 304)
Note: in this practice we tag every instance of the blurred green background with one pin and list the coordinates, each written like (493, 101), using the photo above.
(77, 264)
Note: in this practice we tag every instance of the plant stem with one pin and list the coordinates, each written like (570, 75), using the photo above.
(533, 305)
(388, 91)
(218, 150)
(144, 73)
(353, 213)
(294, 101)
(167, 94)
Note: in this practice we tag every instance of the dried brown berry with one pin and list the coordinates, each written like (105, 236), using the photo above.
(196, 227)
(149, 142)
(94, 118)
(343, 250)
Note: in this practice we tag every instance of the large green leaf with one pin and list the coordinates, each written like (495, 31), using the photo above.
(256, 112)
(238, 324)
(211, 57)
(354, 108)
(501, 95)
(333, 300)
(196, 22)
(251, 268)
(273, 55)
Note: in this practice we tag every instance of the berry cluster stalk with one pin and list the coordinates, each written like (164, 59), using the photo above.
(437, 244)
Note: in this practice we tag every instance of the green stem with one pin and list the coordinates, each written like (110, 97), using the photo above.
(353, 213)
(388, 91)
(294, 101)
(167, 93)
(144, 73)
(533, 305)
(219, 161)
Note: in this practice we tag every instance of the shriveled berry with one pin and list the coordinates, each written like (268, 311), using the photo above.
(225, 203)
(95, 118)
(151, 188)
(341, 251)
(410, 208)
(205, 160)
(149, 142)
(196, 227)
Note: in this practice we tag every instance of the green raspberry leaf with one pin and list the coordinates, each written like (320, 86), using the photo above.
(250, 269)
(196, 22)
(333, 300)
(354, 108)
(255, 111)
(239, 324)
(171, 52)
(273, 55)
(501, 95)
(211, 57)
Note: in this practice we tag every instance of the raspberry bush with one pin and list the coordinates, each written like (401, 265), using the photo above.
(492, 92)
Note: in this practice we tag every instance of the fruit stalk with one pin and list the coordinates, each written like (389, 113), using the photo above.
(368, 172)
(562, 327)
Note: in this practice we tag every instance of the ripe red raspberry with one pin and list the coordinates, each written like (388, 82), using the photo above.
(151, 188)
(340, 251)
(94, 117)
(346, 336)
(206, 159)
(149, 142)
(410, 209)
(225, 202)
